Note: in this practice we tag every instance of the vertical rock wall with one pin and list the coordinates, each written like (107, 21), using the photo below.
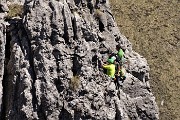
(3, 13)
(53, 71)
(2, 53)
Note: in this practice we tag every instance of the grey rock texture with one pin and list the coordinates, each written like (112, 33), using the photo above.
(21, 2)
(3, 7)
(52, 70)
(3, 13)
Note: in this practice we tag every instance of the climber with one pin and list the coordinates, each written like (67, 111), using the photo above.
(120, 76)
(110, 68)
(120, 54)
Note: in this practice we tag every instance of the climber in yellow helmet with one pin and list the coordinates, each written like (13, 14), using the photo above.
(110, 68)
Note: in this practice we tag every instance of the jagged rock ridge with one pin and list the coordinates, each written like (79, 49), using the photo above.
(50, 65)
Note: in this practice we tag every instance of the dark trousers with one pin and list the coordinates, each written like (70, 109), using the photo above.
(119, 81)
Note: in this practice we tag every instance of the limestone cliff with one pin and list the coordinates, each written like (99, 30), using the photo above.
(50, 65)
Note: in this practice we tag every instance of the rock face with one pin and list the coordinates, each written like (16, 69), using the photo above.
(3, 13)
(50, 65)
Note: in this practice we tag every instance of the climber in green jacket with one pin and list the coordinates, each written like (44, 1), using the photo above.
(110, 68)
(120, 54)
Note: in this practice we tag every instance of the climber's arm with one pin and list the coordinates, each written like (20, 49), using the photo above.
(106, 66)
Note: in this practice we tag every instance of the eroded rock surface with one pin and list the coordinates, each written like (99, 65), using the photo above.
(52, 70)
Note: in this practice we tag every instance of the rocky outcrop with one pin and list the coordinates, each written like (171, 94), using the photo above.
(3, 13)
(52, 66)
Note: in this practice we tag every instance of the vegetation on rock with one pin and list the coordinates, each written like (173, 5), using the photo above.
(74, 83)
(14, 10)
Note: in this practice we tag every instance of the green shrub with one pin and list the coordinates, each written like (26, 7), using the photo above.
(74, 83)
(15, 10)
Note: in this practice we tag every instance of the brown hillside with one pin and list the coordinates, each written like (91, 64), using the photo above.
(153, 26)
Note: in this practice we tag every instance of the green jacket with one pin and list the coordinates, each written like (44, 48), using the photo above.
(110, 70)
(120, 54)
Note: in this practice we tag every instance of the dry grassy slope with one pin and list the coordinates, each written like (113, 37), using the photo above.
(153, 27)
